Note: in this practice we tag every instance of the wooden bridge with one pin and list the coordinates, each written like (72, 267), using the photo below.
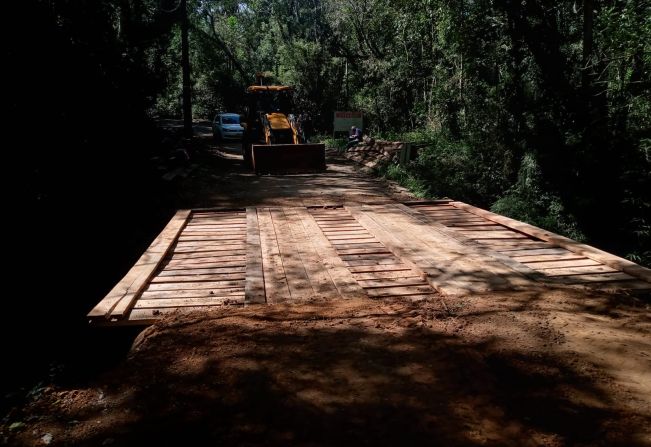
(415, 250)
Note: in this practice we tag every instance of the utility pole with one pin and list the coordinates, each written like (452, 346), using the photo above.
(185, 65)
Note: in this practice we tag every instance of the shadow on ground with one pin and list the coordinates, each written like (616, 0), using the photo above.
(364, 373)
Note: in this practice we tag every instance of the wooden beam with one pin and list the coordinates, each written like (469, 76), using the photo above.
(121, 298)
(254, 289)
(300, 287)
(347, 286)
(275, 280)
(316, 271)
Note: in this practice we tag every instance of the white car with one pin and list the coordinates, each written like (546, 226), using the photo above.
(226, 126)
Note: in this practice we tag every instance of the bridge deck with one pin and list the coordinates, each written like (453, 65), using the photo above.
(206, 258)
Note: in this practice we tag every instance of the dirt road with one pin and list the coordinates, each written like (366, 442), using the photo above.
(219, 179)
(543, 367)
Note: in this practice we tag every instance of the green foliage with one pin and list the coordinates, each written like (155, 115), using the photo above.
(407, 178)
(529, 201)
(332, 143)
(510, 107)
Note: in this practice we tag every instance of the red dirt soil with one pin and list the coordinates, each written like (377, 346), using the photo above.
(548, 367)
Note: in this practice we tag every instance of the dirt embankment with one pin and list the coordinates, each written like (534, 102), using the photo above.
(546, 368)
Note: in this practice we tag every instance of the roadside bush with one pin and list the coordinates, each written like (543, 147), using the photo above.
(528, 201)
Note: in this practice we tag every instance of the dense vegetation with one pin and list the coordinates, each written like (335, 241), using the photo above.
(540, 110)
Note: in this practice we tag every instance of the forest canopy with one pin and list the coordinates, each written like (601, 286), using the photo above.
(539, 110)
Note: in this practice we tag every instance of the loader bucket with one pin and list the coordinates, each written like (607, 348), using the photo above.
(288, 158)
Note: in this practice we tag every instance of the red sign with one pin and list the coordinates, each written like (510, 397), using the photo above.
(348, 114)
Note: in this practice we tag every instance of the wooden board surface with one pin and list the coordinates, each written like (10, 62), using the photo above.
(340, 275)
(276, 287)
(523, 247)
(212, 258)
(120, 299)
(601, 256)
(254, 288)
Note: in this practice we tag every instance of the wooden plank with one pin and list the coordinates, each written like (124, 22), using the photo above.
(519, 244)
(481, 228)
(318, 275)
(383, 268)
(240, 230)
(506, 240)
(121, 298)
(199, 234)
(368, 256)
(445, 206)
(564, 271)
(227, 216)
(182, 302)
(195, 285)
(600, 277)
(462, 225)
(329, 214)
(181, 278)
(340, 225)
(233, 255)
(388, 261)
(345, 232)
(340, 275)
(300, 287)
(585, 250)
(470, 220)
(207, 267)
(192, 293)
(334, 221)
(360, 246)
(236, 225)
(446, 214)
(241, 258)
(362, 251)
(345, 242)
(579, 262)
(205, 263)
(416, 203)
(214, 226)
(254, 288)
(205, 211)
(201, 270)
(337, 238)
(195, 248)
(532, 260)
(393, 274)
(493, 235)
(523, 253)
(211, 238)
(276, 288)
(230, 221)
(377, 283)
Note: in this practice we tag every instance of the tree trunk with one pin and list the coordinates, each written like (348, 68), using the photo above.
(185, 65)
(588, 24)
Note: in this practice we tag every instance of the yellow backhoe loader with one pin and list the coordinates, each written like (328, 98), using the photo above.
(274, 141)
